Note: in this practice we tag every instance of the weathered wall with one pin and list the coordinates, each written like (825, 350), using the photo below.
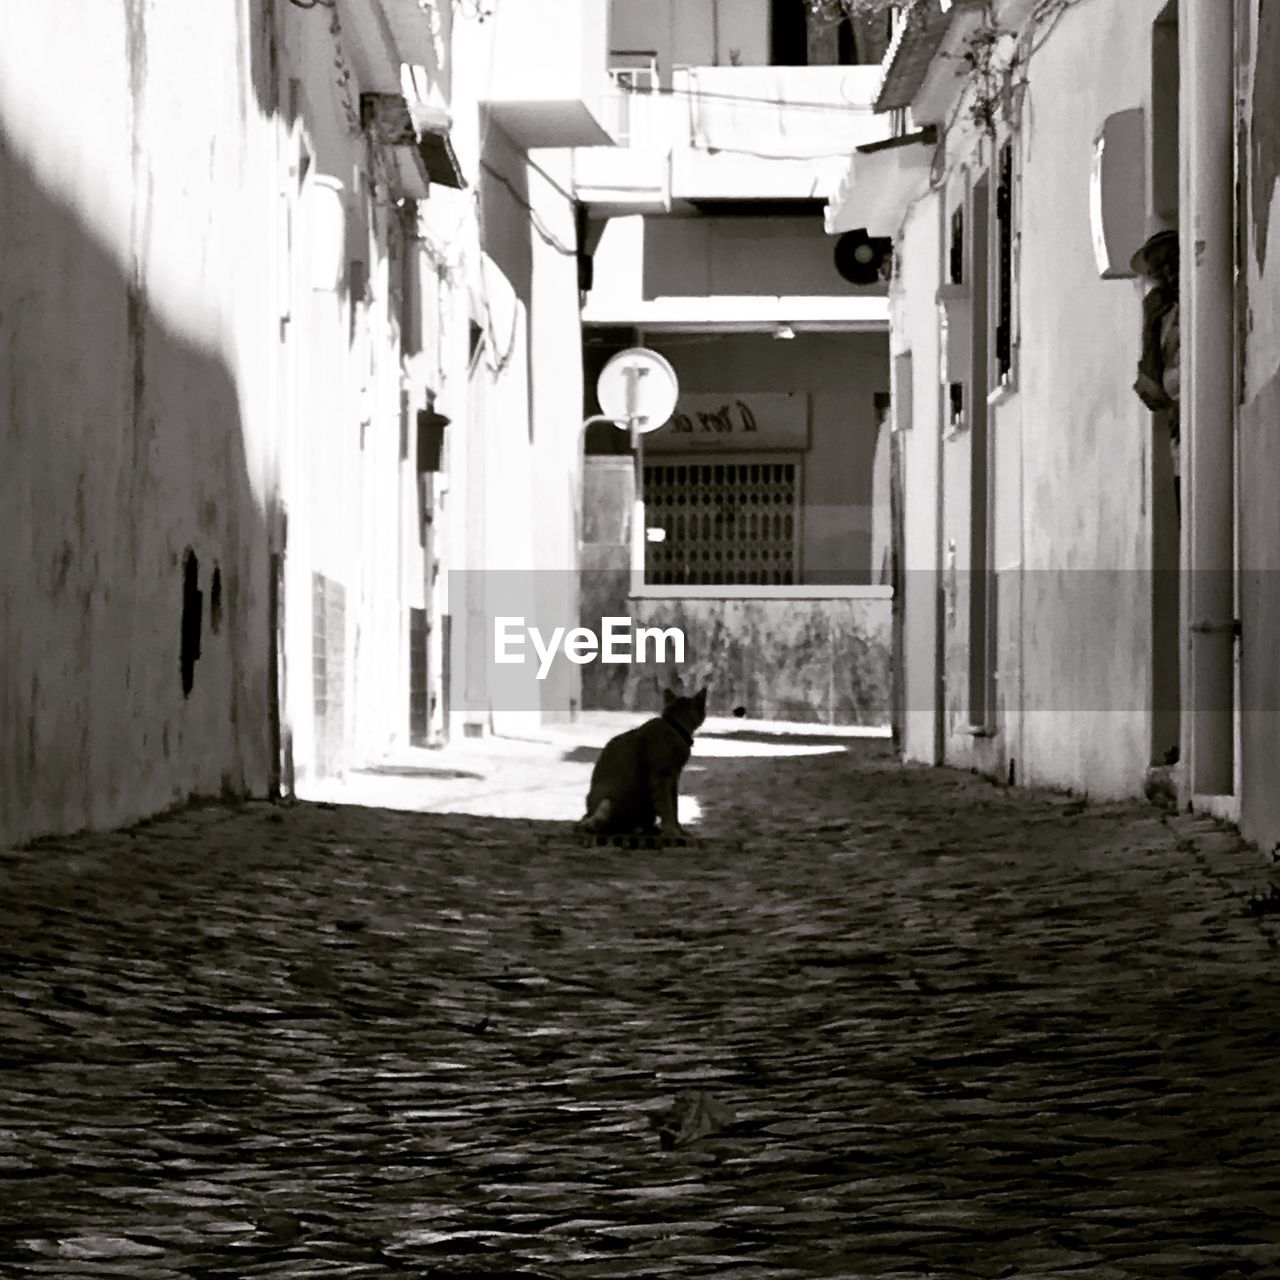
(806, 661)
(1258, 25)
(134, 310)
(357, 351)
(1069, 447)
(820, 661)
(696, 257)
(514, 506)
(1086, 442)
(916, 409)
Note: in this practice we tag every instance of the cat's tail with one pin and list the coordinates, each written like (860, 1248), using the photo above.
(597, 819)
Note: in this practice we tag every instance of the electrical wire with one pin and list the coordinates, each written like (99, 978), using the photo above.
(711, 95)
(770, 155)
(544, 232)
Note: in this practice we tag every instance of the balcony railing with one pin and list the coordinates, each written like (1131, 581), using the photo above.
(634, 73)
(731, 132)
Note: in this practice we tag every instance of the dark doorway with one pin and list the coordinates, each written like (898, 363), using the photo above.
(1166, 692)
(981, 576)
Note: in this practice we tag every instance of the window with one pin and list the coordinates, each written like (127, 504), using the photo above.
(956, 254)
(728, 521)
(1002, 312)
(633, 71)
(956, 402)
(956, 275)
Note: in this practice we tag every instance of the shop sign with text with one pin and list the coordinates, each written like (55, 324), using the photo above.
(732, 422)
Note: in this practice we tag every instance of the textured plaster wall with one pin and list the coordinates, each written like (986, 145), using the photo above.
(807, 661)
(514, 494)
(916, 410)
(134, 410)
(815, 661)
(1069, 450)
(1086, 516)
(348, 473)
(1259, 424)
(708, 256)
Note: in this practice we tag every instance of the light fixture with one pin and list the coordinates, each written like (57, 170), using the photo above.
(784, 333)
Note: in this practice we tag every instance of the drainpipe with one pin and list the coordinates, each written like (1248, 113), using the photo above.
(939, 516)
(1206, 124)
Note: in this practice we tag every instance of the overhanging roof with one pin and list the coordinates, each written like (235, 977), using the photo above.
(419, 29)
(882, 179)
(920, 35)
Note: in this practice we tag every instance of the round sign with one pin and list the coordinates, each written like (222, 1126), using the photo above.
(638, 385)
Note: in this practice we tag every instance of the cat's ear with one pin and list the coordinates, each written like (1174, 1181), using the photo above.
(701, 696)
(667, 697)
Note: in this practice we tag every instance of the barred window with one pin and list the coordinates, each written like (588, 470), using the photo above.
(1003, 344)
(955, 253)
(726, 521)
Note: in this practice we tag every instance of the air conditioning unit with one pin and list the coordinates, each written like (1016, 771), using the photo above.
(1118, 193)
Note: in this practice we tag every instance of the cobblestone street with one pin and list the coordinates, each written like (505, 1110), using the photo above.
(917, 1025)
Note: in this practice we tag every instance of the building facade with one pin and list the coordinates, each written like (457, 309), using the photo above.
(760, 497)
(1087, 585)
(290, 326)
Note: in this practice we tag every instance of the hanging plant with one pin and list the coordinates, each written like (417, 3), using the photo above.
(990, 59)
(832, 11)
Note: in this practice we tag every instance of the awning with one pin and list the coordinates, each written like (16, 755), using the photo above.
(432, 125)
(881, 181)
(417, 138)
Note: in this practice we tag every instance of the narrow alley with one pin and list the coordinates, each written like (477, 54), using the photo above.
(874, 1021)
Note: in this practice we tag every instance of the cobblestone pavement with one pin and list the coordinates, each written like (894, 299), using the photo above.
(930, 1027)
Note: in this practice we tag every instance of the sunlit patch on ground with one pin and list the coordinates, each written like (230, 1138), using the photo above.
(727, 748)
(548, 778)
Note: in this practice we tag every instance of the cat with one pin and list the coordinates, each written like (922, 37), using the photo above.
(636, 780)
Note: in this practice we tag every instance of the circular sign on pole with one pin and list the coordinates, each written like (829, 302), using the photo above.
(638, 389)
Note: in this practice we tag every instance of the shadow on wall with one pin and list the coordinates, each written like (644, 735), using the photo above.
(134, 577)
(505, 236)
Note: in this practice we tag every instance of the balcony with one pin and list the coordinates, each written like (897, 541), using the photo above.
(545, 72)
(727, 133)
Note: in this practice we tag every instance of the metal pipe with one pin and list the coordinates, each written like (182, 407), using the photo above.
(1206, 124)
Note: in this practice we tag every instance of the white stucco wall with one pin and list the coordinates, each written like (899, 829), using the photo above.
(1070, 446)
(1085, 435)
(914, 333)
(136, 314)
(514, 498)
(1258, 464)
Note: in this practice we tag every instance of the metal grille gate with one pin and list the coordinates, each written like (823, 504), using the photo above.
(725, 523)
